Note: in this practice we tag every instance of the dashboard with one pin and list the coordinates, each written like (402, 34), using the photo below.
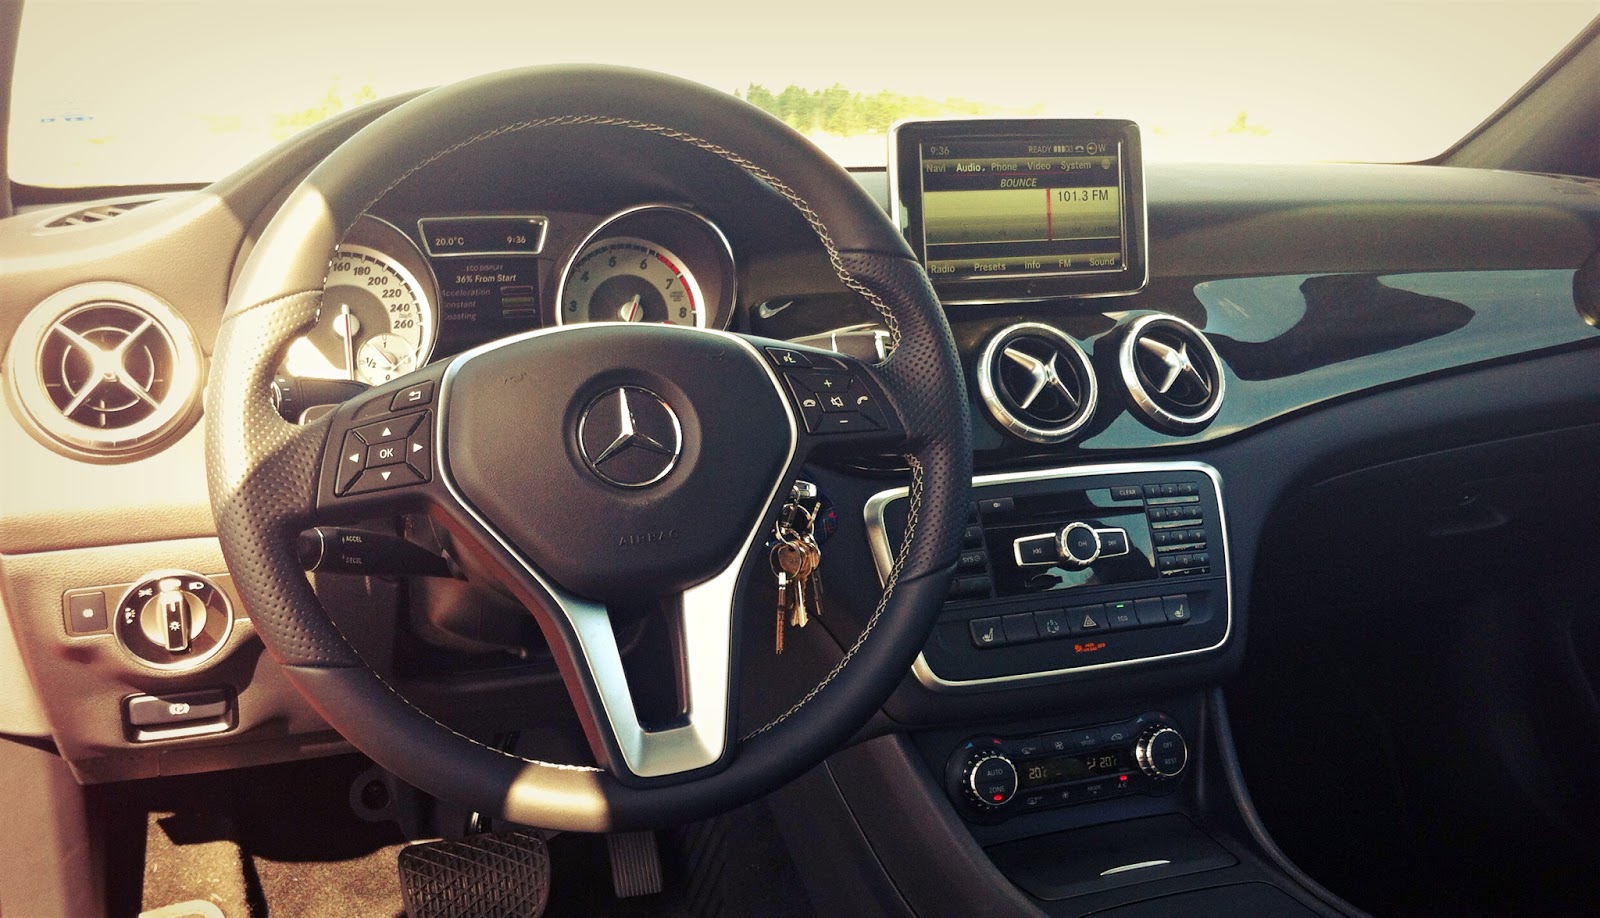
(1272, 327)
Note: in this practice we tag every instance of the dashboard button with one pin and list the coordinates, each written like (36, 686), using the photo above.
(1116, 734)
(1126, 492)
(972, 537)
(392, 429)
(380, 479)
(1113, 542)
(1150, 612)
(836, 401)
(784, 357)
(419, 451)
(822, 382)
(386, 453)
(1020, 628)
(414, 397)
(1177, 608)
(86, 612)
(863, 401)
(1087, 619)
(987, 632)
(1052, 623)
(1039, 549)
(842, 422)
(1120, 616)
(970, 587)
(997, 505)
(1083, 739)
(352, 461)
(183, 708)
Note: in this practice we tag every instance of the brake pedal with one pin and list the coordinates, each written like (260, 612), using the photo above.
(498, 874)
(635, 863)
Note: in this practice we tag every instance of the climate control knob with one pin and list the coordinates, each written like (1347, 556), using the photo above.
(990, 780)
(1078, 545)
(1161, 753)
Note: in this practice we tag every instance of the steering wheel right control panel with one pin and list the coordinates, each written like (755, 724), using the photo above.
(1073, 571)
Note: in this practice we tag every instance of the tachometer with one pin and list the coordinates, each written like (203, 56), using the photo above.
(654, 263)
(628, 279)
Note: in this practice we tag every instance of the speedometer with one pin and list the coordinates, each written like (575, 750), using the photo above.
(627, 279)
(379, 311)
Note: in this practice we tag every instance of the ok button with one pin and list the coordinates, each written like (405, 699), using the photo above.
(386, 453)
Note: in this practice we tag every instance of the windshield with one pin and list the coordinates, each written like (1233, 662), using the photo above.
(173, 91)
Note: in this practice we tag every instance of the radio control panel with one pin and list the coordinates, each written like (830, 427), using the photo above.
(1071, 571)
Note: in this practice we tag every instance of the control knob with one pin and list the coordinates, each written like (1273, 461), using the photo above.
(173, 620)
(1161, 752)
(1078, 545)
(990, 780)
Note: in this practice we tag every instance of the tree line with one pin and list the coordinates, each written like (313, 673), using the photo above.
(841, 111)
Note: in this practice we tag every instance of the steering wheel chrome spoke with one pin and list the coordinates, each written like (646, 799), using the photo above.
(704, 618)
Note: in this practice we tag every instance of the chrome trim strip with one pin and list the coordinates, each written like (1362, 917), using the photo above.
(882, 557)
(1136, 390)
(991, 396)
(703, 314)
(1139, 866)
(706, 609)
(543, 223)
(1141, 216)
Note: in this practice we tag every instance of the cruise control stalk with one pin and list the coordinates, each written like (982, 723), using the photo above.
(331, 549)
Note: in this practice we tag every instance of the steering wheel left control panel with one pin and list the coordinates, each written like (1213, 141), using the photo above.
(382, 442)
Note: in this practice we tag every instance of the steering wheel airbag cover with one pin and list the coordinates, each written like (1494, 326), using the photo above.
(513, 452)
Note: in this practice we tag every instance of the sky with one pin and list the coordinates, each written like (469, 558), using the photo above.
(112, 91)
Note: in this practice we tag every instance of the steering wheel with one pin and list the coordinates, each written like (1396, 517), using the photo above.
(565, 461)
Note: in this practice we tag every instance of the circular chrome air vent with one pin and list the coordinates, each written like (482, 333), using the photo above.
(1173, 375)
(1037, 382)
(104, 371)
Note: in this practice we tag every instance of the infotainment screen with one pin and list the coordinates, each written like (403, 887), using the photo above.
(1018, 209)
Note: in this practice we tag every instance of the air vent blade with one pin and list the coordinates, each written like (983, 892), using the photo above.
(1037, 382)
(1173, 375)
(114, 371)
(97, 213)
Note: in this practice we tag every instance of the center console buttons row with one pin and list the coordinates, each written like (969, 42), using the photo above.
(1122, 615)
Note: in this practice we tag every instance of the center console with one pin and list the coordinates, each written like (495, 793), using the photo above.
(1073, 571)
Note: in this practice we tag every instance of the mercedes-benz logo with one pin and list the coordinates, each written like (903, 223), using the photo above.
(630, 437)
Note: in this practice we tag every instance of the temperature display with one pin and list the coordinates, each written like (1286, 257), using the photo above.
(482, 235)
(1063, 768)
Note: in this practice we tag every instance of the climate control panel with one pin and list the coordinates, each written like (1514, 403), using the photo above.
(993, 778)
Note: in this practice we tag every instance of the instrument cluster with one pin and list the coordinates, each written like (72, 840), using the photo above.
(395, 300)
